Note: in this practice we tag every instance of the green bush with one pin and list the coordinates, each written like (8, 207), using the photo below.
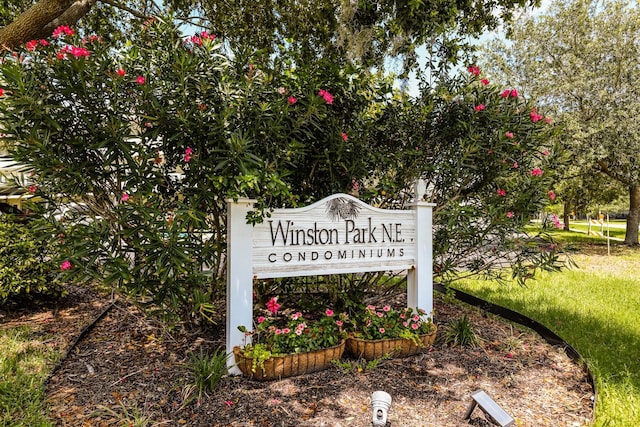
(26, 265)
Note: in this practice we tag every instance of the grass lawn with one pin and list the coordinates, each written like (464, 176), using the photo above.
(25, 360)
(594, 307)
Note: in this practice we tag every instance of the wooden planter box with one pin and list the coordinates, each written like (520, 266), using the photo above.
(396, 347)
(289, 365)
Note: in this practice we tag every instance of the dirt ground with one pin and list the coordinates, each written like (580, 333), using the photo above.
(129, 369)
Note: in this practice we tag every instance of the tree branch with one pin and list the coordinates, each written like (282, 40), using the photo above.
(134, 12)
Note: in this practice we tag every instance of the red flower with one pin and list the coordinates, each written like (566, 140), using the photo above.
(140, 80)
(536, 172)
(484, 82)
(63, 29)
(273, 306)
(292, 100)
(66, 265)
(501, 192)
(535, 117)
(328, 98)
(505, 93)
(480, 107)
(124, 197)
(121, 72)
(1, 91)
(514, 93)
(79, 52)
(187, 154)
(31, 45)
(474, 70)
(345, 137)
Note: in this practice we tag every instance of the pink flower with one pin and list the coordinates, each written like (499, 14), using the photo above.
(515, 165)
(298, 331)
(474, 70)
(286, 330)
(31, 45)
(536, 172)
(514, 93)
(545, 152)
(33, 188)
(121, 72)
(124, 197)
(273, 306)
(535, 117)
(292, 100)
(484, 82)
(140, 80)
(548, 120)
(414, 326)
(196, 40)
(66, 265)
(371, 307)
(278, 331)
(505, 93)
(416, 318)
(63, 30)
(328, 98)
(187, 154)
(508, 134)
(339, 323)
(261, 319)
(386, 308)
(381, 330)
(344, 136)
(480, 107)
(551, 194)
(296, 316)
(501, 192)
(206, 36)
(43, 42)
(328, 312)
(79, 52)
(509, 214)
(380, 314)
(228, 403)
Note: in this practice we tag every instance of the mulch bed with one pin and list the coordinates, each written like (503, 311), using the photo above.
(129, 367)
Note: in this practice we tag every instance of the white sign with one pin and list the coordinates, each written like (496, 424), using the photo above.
(338, 234)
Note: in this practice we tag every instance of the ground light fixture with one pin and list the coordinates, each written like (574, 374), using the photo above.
(381, 402)
(496, 414)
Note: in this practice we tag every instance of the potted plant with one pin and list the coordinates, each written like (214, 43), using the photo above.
(288, 343)
(376, 332)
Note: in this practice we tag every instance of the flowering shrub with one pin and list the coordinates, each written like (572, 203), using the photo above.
(154, 137)
(376, 323)
(290, 332)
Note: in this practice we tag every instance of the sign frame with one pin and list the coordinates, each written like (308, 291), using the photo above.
(341, 232)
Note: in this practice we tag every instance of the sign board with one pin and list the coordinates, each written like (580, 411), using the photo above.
(339, 234)
(336, 235)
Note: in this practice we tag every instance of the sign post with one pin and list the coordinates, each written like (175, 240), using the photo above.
(336, 235)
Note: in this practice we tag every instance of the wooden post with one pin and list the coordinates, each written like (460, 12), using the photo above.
(420, 277)
(239, 276)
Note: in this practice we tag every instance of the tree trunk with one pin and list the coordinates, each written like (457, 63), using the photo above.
(39, 21)
(633, 220)
(566, 213)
